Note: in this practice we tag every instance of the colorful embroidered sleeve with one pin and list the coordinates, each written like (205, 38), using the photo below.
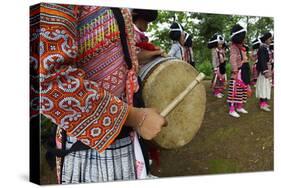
(80, 107)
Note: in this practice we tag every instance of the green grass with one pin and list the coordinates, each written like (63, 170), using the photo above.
(206, 68)
(222, 166)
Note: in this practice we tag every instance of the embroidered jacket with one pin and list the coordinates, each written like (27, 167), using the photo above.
(85, 103)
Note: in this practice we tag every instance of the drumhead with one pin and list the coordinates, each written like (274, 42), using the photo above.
(165, 82)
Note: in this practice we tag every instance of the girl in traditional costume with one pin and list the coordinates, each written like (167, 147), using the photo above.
(177, 35)
(240, 72)
(263, 86)
(146, 51)
(216, 43)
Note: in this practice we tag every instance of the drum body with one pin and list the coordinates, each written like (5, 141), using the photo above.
(163, 80)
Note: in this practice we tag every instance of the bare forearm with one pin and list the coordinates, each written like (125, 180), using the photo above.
(134, 115)
(145, 55)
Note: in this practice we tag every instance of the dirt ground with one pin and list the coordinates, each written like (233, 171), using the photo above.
(223, 144)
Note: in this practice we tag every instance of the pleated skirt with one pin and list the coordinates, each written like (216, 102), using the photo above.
(263, 87)
(116, 163)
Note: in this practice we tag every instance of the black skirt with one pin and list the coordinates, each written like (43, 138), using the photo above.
(222, 68)
(246, 73)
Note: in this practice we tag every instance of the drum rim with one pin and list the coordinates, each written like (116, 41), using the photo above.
(143, 73)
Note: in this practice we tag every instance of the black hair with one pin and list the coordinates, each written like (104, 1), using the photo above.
(225, 45)
(256, 44)
(239, 37)
(266, 36)
(147, 15)
(121, 24)
(271, 46)
(213, 42)
(188, 41)
(175, 35)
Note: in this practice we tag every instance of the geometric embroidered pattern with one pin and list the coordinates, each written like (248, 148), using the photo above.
(83, 108)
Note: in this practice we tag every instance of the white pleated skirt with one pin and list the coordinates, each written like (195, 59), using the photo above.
(263, 87)
(116, 163)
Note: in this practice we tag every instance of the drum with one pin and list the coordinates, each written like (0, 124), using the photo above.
(163, 80)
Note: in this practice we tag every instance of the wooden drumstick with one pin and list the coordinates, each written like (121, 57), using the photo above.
(181, 96)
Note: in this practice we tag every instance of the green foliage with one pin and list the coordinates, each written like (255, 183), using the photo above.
(228, 70)
(206, 68)
(202, 27)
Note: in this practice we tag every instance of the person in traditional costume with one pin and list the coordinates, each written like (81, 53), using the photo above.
(254, 57)
(240, 72)
(271, 56)
(216, 43)
(177, 35)
(146, 51)
(189, 56)
(84, 57)
(263, 86)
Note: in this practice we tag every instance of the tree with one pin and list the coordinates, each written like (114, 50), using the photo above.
(202, 26)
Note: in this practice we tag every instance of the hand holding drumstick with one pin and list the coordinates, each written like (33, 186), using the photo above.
(148, 122)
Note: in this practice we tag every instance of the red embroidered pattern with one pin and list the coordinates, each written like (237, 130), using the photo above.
(79, 106)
